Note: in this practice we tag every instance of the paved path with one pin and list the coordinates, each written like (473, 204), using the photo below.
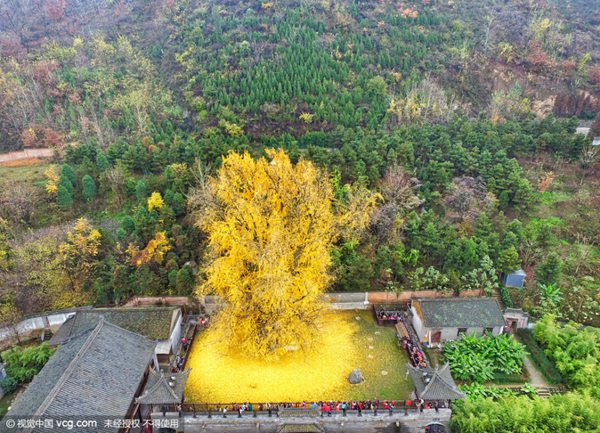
(535, 376)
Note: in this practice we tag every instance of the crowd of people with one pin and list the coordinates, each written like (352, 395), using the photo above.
(414, 353)
(179, 361)
(384, 315)
(328, 408)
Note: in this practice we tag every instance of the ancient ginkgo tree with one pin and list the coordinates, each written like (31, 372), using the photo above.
(270, 227)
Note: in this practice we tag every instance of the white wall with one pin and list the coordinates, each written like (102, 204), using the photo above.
(176, 334)
(449, 334)
(418, 325)
(37, 323)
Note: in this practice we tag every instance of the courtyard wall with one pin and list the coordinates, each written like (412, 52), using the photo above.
(414, 422)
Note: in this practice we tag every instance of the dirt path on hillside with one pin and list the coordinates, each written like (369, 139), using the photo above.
(26, 154)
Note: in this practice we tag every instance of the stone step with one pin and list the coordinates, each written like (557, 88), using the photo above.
(300, 428)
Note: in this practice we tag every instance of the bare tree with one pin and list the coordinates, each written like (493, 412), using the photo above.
(467, 198)
(18, 201)
(399, 193)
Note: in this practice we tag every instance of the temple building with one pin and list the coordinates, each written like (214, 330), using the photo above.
(446, 319)
(94, 375)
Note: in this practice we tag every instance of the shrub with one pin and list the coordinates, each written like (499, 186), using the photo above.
(574, 350)
(22, 364)
(560, 413)
(9, 385)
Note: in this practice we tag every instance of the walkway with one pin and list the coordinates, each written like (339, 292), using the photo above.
(535, 376)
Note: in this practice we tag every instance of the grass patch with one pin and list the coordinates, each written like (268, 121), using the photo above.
(552, 197)
(346, 344)
(31, 173)
(7, 401)
(436, 356)
(544, 364)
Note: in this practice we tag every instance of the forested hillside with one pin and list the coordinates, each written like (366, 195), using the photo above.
(75, 71)
(459, 116)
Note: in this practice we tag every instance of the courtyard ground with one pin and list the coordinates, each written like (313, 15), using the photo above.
(348, 340)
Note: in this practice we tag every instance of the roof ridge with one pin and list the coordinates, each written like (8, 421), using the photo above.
(436, 374)
(457, 298)
(68, 371)
(109, 323)
(165, 383)
(443, 381)
(144, 308)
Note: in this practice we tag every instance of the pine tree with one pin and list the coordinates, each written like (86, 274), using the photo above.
(141, 193)
(68, 173)
(89, 189)
(64, 198)
(508, 260)
(102, 162)
(548, 272)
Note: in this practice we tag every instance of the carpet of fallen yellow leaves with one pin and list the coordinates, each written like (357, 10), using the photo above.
(221, 377)
(348, 340)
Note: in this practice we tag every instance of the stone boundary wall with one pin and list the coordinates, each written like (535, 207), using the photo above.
(31, 326)
(156, 301)
(402, 297)
(413, 422)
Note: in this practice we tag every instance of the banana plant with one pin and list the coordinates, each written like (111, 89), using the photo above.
(550, 294)
(478, 359)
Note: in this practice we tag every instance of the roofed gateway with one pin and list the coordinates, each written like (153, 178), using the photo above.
(434, 384)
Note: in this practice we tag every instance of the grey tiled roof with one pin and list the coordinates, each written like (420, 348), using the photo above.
(159, 391)
(154, 323)
(96, 373)
(460, 312)
(438, 386)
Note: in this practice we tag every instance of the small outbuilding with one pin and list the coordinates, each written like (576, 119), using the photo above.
(515, 318)
(446, 319)
(514, 279)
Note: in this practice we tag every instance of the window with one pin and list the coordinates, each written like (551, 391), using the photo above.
(461, 331)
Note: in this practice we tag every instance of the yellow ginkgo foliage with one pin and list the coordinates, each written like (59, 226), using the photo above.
(52, 179)
(270, 225)
(155, 201)
(154, 251)
(306, 117)
(79, 254)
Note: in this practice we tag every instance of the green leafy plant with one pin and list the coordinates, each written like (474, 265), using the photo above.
(477, 359)
(23, 364)
(550, 294)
